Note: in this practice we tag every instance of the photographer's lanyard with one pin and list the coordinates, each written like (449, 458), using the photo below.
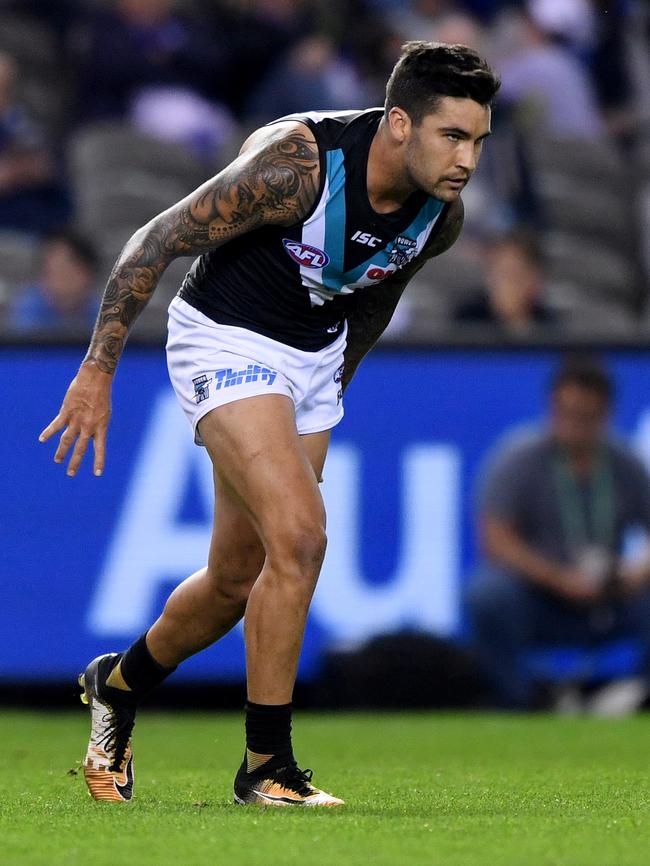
(595, 524)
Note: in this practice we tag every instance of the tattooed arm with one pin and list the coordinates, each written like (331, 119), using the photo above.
(274, 181)
(374, 307)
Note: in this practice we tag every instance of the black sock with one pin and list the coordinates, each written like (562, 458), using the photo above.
(268, 729)
(140, 670)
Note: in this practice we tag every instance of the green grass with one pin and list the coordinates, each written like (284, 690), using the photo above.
(440, 790)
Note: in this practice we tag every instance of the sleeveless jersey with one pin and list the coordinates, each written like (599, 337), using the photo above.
(295, 284)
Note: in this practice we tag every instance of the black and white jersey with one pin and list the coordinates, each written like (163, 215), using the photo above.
(294, 284)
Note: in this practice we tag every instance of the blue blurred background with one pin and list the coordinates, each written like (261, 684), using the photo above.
(87, 563)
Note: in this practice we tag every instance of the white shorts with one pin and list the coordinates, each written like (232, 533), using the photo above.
(211, 365)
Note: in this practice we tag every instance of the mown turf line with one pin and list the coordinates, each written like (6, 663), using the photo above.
(440, 790)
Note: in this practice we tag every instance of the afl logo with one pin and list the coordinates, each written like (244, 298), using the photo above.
(305, 255)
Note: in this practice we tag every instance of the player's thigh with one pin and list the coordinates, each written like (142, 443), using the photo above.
(236, 546)
(259, 457)
(236, 551)
(315, 446)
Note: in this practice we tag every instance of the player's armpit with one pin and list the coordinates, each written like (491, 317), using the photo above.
(274, 181)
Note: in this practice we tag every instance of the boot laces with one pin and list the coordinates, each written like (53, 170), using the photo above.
(117, 734)
(295, 778)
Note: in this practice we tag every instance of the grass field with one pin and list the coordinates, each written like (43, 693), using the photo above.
(457, 790)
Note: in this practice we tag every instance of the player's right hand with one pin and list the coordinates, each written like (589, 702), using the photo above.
(84, 415)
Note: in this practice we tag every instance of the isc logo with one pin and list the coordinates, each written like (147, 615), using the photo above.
(306, 255)
(365, 238)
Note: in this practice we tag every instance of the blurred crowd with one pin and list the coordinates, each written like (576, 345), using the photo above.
(110, 110)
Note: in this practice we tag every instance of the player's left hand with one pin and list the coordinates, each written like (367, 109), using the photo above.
(84, 415)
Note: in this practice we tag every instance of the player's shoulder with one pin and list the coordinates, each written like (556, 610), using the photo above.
(282, 167)
(454, 217)
(447, 229)
(286, 130)
(332, 129)
(320, 129)
(334, 119)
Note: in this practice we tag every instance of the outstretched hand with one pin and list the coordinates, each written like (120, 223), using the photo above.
(84, 415)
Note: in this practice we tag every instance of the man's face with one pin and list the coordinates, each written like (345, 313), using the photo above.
(578, 417)
(514, 281)
(67, 281)
(442, 152)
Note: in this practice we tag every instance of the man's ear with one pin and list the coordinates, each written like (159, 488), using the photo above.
(399, 124)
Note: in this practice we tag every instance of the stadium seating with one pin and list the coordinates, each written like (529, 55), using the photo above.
(585, 192)
(121, 179)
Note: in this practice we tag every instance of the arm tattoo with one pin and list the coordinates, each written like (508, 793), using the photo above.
(275, 184)
(374, 307)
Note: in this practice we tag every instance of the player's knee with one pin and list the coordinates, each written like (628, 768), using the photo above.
(234, 584)
(300, 548)
(306, 545)
(233, 590)
(233, 572)
(234, 577)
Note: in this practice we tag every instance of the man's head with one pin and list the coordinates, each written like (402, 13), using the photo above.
(515, 274)
(8, 77)
(437, 110)
(68, 270)
(581, 399)
(146, 13)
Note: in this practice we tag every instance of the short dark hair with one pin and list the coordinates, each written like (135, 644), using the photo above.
(82, 248)
(525, 239)
(586, 373)
(427, 71)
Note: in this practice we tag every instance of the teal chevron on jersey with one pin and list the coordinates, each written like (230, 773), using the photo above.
(335, 220)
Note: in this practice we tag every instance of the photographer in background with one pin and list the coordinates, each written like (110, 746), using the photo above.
(554, 510)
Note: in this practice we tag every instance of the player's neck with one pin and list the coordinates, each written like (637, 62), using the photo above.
(389, 185)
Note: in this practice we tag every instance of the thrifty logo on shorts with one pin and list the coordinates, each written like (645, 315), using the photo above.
(252, 373)
(229, 377)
